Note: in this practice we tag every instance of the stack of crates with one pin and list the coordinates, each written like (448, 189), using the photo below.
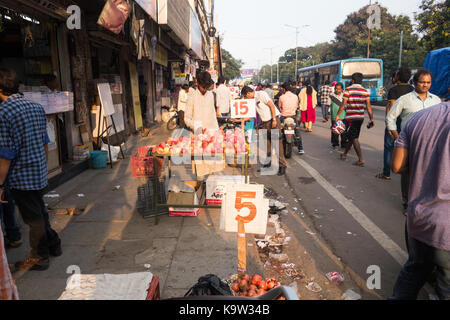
(142, 170)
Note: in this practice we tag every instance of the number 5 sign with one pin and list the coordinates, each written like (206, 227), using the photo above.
(244, 203)
(243, 109)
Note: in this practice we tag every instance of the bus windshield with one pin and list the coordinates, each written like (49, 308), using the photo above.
(370, 69)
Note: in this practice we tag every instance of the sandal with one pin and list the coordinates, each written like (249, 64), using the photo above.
(359, 164)
(343, 157)
(383, 177)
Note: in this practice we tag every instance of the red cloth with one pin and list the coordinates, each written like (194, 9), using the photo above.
(310, 114)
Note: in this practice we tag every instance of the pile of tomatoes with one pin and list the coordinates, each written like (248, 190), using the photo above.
(255, 286)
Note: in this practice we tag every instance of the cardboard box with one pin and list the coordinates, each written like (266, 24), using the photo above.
(195, 198)
(215, 187)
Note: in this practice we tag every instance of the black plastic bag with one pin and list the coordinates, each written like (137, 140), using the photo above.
(209, 285)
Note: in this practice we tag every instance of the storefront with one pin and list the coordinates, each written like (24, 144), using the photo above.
(30, 47)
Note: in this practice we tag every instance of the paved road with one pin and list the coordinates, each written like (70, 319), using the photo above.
(346, 219)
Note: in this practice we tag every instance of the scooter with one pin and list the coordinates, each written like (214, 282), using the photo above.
(288, 130)
(174, 121)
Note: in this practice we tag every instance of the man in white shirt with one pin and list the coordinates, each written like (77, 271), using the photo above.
(200, 109)
(270, 116)
(223, 98)
(182, 102)
(418, 100)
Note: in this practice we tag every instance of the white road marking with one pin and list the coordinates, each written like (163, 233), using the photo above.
(382, 238)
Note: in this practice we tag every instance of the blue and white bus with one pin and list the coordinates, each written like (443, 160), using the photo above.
(342, 70)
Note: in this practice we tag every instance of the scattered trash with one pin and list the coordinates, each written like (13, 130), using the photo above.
(250, 244)
(262, 244)
(351, 295)
(80, 195)
(286, 185)
(282, 257)
(147, 266)
(309, 232)
(332, 210)
(313, 286)
(300, 199)
(288, 239)
(267, 264)
(335, 277)
(315, 210)
(284, 212)
(340, 187)
(339, 259)
(295, 209)
(51, 195)
(295, 200)
(115, 188)
(349, 233)
(318, 198)
(67, 211)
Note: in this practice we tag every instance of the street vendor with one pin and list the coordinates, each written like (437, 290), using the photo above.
(200, 110)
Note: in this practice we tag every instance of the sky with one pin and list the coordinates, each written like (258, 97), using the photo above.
(251, 27)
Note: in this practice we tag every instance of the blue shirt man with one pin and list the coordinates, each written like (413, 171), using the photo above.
(23, 168)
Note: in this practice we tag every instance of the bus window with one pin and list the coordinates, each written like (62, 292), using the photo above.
(370, 69)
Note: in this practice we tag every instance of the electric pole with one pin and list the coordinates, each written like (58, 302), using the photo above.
(271, 62)
(297, 32)
(401, 50)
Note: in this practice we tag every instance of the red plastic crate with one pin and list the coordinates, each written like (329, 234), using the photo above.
(142, 167)
(153, 292)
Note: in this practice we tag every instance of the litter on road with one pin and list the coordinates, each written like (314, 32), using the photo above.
(351, 295)
(314, 287)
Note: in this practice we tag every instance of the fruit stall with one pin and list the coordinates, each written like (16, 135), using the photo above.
(208, 153)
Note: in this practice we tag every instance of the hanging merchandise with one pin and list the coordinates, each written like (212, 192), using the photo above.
(187, 64)
(29, 39)
(114, 15)
(141, 39)
(134, 32)
(147, 50)
(154, 43)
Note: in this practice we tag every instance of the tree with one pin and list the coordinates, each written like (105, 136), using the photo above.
(434, 24)
(353, 35)
(232, 67)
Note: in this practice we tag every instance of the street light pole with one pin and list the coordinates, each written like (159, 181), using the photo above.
(297, 32)
(278, 71)
(271, 62)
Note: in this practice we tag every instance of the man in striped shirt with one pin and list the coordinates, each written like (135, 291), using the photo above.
(356, 100)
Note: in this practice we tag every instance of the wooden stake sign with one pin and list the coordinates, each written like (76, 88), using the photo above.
(244, 210)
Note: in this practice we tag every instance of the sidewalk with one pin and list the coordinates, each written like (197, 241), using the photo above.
(110, 236)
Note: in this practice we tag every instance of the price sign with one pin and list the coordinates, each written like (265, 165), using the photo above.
(243, 109)
(244, 203)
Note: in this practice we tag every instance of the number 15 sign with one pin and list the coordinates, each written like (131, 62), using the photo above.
(241, 109)
(244, 203)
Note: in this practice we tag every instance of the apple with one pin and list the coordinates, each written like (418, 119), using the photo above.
(262, 285)
(256, 279)
(261, 292)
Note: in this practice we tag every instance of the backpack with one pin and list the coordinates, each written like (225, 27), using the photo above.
(209, 285)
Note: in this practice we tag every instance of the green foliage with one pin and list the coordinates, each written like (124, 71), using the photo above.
(352, 38)
(434, 24)
(233, 66)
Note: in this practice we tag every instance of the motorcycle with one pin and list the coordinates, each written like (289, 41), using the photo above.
(174, 121)
(226, 123)
(288, 131)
